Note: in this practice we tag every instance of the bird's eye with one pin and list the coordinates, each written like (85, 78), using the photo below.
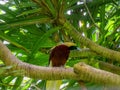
(72, 48)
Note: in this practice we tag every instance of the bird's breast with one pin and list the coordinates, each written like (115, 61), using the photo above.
(59, 56)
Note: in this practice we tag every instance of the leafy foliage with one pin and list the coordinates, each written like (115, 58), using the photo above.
(31, 27)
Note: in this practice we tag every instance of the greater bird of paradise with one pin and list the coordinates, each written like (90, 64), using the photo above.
(58, 57)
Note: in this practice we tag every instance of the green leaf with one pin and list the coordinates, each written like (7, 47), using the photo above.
(17, 83)
(41, 41)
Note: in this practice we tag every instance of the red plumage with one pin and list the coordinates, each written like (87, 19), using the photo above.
(59, 55)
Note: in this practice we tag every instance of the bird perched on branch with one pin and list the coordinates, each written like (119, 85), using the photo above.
(58, 58)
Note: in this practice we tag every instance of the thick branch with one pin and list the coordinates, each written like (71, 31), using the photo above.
(108, 53)
(109, 67)
(86, 53)
(82, 53)
(82, 71)
(32, 70)
(89, 73)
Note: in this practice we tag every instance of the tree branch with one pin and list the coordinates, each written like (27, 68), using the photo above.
(86, 52)
(97, 76)
(80, 72)
(34, 71)
(108, 53)
(109, 67)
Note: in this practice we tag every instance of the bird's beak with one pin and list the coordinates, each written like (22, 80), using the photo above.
(77, 48)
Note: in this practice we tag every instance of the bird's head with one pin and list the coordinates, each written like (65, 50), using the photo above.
(70, 45)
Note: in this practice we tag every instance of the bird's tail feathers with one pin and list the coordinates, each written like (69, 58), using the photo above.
(53, 84)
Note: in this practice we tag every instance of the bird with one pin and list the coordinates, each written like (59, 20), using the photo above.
(58, 58)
